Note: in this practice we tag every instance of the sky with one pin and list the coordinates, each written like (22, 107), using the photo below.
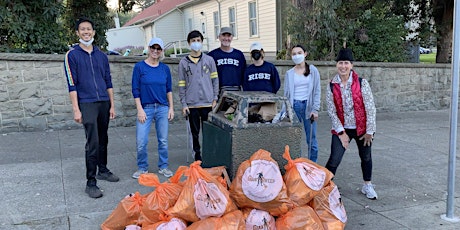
(112, 4)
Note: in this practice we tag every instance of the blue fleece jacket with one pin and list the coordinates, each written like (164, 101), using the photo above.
(151, 84)
(88, 74)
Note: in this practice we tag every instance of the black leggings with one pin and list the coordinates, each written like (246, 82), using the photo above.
(337, 152)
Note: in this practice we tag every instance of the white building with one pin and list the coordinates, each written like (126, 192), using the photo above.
(172, 20)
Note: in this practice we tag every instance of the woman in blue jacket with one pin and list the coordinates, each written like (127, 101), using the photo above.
(152, 91)
(302, 88)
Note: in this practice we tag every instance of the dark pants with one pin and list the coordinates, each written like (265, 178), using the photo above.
(337, 151)
(196, 118)
(96, 123)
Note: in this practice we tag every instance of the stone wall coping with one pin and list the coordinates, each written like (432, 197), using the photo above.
(168, 60)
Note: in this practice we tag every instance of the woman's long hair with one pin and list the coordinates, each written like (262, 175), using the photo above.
(307, 67)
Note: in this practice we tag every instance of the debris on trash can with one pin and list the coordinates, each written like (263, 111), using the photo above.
(232, 133)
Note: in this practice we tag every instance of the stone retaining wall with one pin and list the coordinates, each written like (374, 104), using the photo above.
(34, 96)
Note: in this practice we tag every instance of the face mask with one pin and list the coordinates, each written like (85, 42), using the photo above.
(256, 55)
(87, 43)
(196, 46)
(298, 58)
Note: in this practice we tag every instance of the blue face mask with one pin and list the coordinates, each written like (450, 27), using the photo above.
(86, 43)
(298, 58)
(196, 46)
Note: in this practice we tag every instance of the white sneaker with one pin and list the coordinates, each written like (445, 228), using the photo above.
(368, 190)
(138, 173)
(166, 172)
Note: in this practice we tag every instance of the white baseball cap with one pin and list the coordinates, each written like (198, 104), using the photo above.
(255, 46)
(157, 41)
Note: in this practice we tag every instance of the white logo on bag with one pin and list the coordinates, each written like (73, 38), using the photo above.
(210, 203)
(336, 205)
(313, 177)
(174, 223)
(259, 219)
(261, 180)
(209, 199)
(266, 225)
(256, 178)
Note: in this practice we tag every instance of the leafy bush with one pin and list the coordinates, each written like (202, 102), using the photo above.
(31, 27)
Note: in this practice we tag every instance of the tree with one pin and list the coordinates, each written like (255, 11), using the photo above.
(127, 5)
(97, 11)
(434, 17)
(312, 24)
(369, 28)
(31, 26)
(373, 31)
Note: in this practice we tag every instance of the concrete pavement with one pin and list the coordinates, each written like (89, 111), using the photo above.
(42, 175)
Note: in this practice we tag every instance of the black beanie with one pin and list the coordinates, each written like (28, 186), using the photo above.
(345, 54)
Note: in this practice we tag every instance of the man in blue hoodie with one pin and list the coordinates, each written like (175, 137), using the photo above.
(90, 87)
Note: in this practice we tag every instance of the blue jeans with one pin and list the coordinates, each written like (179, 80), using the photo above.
(159, 114)
(299, 108)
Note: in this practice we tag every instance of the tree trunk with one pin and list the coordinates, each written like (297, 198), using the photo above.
(443, 13)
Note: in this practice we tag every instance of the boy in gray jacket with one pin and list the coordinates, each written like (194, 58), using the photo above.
(198, 87)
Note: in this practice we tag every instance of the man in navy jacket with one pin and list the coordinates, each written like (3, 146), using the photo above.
(90, 87)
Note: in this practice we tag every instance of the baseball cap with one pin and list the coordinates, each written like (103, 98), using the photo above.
(226, 30)
(255, 46)
(157, 41)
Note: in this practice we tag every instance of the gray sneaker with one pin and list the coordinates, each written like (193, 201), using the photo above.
(93, 191)
(166, 172)
(138, 173)
(368, 190)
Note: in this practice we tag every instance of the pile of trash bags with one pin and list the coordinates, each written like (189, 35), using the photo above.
(259, 197)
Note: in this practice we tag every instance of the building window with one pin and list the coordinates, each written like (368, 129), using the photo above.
(232, 20)
(190, 24)
(252, 19)
(215, 16)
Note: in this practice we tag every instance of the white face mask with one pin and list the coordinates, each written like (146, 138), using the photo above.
(196, 46)
(87, 43)
(298, 58)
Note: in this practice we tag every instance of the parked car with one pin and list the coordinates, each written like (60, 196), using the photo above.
(424, 50)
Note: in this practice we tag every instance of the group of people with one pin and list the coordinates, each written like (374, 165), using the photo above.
(202, 79)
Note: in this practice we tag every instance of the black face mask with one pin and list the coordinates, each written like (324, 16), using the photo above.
(256, 55)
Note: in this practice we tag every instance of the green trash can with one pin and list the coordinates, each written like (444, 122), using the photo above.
(228, 140)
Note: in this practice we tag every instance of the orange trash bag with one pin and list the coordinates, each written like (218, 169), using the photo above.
(220, 173)
(165, 223)
(258, 184)
(202, 196)
(304, 178)
(258, 219)
(230, 221)
(127, 212)
(299, 218)
(329, 207)
(163, 197)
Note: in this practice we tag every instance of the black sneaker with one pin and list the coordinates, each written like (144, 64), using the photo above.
(93, 191)
(108, 176)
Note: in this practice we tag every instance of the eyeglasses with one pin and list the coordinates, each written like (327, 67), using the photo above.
(156, 48)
